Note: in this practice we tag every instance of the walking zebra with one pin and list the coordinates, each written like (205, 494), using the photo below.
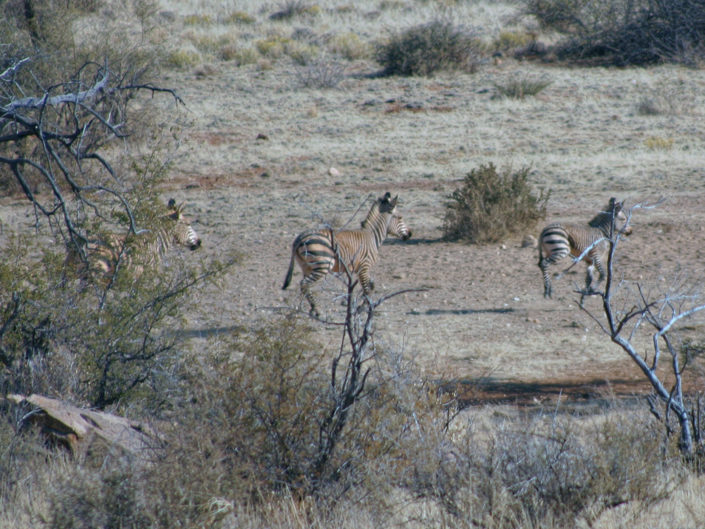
(559, 240)
(104, 256)
(323, 251)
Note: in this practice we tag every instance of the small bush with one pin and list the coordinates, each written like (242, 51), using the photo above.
(293, 8)
(509, 40)
(240, 17)
(657, 143)
(321, 74)
(427, 48)
(521, 87)
(198, 20)
(183, 59)
(490, 206)
(349, 46)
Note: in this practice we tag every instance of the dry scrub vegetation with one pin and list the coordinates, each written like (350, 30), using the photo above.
(455, 396)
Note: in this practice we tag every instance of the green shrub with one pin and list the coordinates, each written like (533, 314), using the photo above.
(427, 48)
(490, 206)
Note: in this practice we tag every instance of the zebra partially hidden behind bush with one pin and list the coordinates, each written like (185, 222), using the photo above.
(102, 257)
(320, 252)
(558, 240)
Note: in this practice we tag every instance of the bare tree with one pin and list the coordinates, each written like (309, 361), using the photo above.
(54, 141)
(348, 373)
(638, 309)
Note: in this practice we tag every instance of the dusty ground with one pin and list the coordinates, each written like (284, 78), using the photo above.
(254, 169)
(482, 316)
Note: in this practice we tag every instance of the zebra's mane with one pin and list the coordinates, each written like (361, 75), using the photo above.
(604, 218)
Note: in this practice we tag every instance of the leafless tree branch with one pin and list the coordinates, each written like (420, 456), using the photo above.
(663, 315)
(54, 141)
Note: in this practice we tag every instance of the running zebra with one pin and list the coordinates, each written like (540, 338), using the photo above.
(320, 252)
(104, 256)
(559, 240)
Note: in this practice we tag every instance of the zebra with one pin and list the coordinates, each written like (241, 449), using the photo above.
(102, 257)
(319, 252)
(591, 241)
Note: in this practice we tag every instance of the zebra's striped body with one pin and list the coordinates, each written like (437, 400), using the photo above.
(558, 240)
(103, 256)
(321, 252)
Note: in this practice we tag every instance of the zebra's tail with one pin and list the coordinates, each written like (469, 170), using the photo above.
(289, 273)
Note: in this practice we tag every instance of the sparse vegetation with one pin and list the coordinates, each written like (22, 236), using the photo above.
(428, 48)
(521, 87)
(491, 205)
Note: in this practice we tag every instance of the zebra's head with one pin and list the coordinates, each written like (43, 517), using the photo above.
(398, 228)
(618, 208)
(184, 234)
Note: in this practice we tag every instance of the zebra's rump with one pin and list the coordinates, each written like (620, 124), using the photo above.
(555, 241)
(315, 249)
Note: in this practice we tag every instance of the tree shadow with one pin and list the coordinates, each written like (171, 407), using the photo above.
(438, 312)
(207, 332)
(597, 393)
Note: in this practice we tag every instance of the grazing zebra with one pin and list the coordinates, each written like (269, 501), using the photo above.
(103, 256)
(323, 251)
(559, 240)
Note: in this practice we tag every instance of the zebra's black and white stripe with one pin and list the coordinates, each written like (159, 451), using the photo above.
(321, 252)
(102, 257)
(397, 228)
(558, 240)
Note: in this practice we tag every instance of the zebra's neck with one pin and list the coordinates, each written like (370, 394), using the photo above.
(377, 222)
(602, 222)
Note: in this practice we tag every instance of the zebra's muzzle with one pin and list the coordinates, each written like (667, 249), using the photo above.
(196, 245)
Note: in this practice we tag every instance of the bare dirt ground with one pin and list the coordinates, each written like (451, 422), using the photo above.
(254, 170)
(483, 317)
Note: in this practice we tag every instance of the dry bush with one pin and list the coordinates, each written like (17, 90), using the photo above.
(428, 48)
(625, 32)
(521, 87)
(490, 206)
(289, 9)
(321, 73)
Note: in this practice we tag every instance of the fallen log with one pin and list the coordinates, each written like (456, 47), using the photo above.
(77, 428)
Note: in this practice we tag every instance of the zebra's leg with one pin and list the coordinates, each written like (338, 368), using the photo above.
(547, 290)
(306, 283)
(601, 269)
(365, 280)
(589, 277)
